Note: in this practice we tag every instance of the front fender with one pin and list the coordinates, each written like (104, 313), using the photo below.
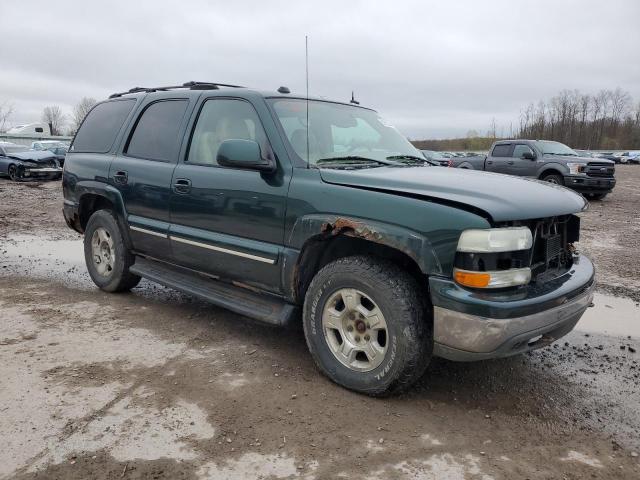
(416, 246)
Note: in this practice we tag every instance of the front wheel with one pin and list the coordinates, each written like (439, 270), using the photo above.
(554, 179)
(15, 173)
(106, 254)
(366, 325)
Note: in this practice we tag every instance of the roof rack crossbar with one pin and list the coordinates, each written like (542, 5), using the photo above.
(190, 85)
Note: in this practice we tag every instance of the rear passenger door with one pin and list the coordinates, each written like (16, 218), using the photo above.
(225, 221)
(143, 168)
(499, 160)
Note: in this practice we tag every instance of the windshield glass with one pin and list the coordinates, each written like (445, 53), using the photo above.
(337, 131)
(555, 148)
(16, 148)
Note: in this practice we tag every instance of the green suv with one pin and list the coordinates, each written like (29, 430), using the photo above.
(287, 209)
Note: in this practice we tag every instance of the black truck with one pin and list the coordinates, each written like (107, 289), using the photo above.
(546, 160)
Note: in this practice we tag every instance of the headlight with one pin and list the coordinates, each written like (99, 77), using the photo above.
(576, 168)
(493, 240)
(493, 258)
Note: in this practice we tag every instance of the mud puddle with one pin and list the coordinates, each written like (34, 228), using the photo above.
(616, 316)
(43, 258)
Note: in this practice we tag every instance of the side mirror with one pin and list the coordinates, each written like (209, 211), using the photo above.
(528, 156)
(243, 154)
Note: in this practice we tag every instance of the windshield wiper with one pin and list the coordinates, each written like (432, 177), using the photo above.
(411, 158)
(353, 160)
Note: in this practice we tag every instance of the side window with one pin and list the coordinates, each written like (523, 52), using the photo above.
(39, 130)
(501, 150)
(220, 120)
(100, 127)
(155, 136)
(520, 149)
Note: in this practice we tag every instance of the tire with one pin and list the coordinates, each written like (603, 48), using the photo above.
(107, 257)
(407, 338)
(597, 196)
(554, 178)
(14, 173)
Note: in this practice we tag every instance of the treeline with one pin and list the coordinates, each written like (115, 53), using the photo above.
(479, 144)
(606, 120)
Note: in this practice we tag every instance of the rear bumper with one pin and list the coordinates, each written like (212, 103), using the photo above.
(476, 326)
(582, 183)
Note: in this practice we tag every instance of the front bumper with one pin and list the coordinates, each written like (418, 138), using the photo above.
(40, 171)
(480, 325)
(583, 183)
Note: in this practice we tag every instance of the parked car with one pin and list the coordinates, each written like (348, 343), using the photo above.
(550, 161)
(231, 195)
(436, 157)
(585, 153)
(59, 149)
(608, 156)
(18, 163)
(47, 144)
(630, 157)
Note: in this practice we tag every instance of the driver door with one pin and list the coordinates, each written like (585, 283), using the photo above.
(228, 222)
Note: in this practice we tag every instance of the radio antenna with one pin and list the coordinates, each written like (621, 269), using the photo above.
(306, 64)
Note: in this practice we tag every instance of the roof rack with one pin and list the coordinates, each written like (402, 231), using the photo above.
(189, 85)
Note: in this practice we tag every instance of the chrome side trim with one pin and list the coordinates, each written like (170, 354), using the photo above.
(223, 250)
(149, 232)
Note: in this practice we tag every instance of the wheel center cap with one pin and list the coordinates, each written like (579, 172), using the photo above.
(360, 326)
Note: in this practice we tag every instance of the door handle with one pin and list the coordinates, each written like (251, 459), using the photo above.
(489, 162)
(182, 185)
(121, 177)
(510, 162)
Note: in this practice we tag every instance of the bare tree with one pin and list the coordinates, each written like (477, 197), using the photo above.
(80, 111)
(6, 110)
(53, 117)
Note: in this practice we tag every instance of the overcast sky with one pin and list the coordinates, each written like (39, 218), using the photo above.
(434, 69)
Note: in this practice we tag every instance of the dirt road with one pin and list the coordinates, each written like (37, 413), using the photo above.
(155, 384)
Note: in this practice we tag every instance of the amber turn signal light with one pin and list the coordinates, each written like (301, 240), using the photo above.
(472, 279)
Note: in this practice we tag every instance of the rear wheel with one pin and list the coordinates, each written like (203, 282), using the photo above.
(554, 178)
(366, 325)
(107, 257)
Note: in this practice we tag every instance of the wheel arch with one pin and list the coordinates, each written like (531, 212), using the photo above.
(94, 196)
(323, 239)
(551, 169)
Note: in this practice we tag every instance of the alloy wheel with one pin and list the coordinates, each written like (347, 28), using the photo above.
(355, 329)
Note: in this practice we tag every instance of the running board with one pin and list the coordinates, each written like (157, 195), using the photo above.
(240, 300)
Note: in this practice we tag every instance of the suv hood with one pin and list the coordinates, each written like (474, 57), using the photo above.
(33, 156)
(502, 197)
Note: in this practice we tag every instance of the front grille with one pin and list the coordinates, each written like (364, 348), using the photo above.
(552, 251)
(598, 169)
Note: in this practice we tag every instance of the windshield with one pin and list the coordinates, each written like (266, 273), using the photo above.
(340, 132)
(14, 149)
(555, 148)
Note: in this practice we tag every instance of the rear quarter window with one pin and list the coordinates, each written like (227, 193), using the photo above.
(155, 136)
(99, 129)
(501, 150)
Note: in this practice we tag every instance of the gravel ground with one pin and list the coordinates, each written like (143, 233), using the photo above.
(155, 384)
